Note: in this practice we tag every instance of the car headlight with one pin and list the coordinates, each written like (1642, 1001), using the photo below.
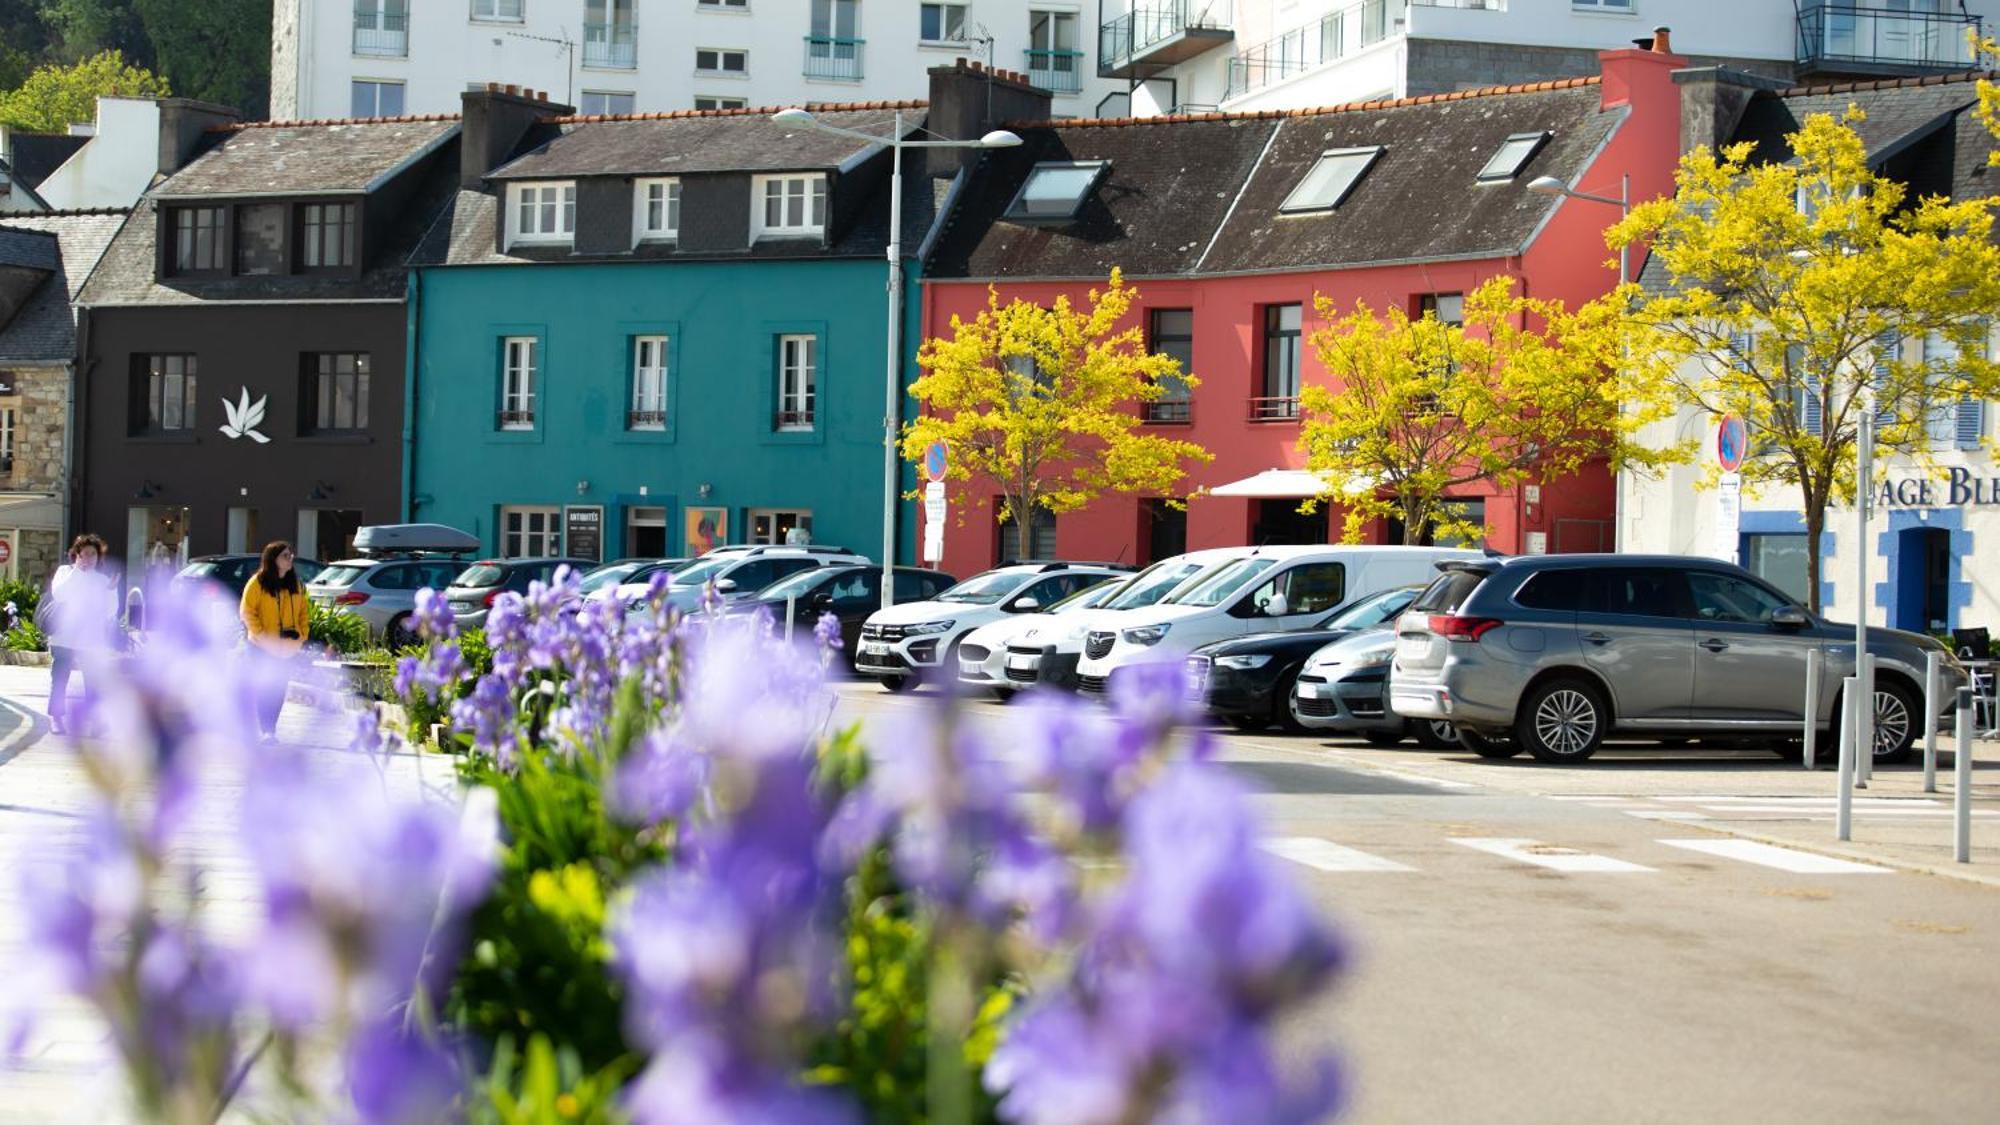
(1375, 659)
(1247, 660)
(928, 627)
(1145, 634)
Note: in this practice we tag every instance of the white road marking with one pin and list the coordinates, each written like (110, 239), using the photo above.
(1420, 779)
(1778, 799)
(1664, 814)
(1547, 855)
(1328, 856)
(1784, 859)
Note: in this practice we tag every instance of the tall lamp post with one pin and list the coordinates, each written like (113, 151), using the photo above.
(892, 423)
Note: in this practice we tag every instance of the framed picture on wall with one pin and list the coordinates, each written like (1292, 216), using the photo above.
(707, 529)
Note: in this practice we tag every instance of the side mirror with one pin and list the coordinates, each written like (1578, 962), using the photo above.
(725, 585)
(1025, 605)
(1789, 617)
(1273, 606)
(822, 600)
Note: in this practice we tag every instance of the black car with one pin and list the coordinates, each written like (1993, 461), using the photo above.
(849, 591)
(1247, 681)
(232, 572)
(473, 592)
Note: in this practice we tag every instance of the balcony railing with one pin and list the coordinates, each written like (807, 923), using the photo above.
(1871, 40)
(645, 419)
(833, 58)
(1275, 408)
(517, 419)
(794, 420)
(1164, 31)
(1169, 411)
(1332, 37)
(613, 46)
(381, 33)
(1057, 71)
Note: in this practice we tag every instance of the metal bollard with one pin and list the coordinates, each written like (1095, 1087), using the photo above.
(1864, 724)
(1843, 814)
(791, 608)
(1813, 661)
(1961, 797)
(1933, 684)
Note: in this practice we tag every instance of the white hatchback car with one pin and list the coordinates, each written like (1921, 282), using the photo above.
(904, 642)
(982, 655)
(735, 572)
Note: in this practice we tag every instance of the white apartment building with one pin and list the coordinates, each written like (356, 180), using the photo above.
(342, 58)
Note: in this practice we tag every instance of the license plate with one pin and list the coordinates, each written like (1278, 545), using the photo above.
(1024, 663)
(1413, 644)
(1315, 691)
(464, 607)
(874, 648)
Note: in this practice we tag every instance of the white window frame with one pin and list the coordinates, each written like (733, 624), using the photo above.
(7, 437)
(802, 519)
(379, 83)
(530, 531)
(944, 22)
(719, 102)
(553, 220)
(732, 6)
(1355, 162)
(808, 189)
(650, 357)
(719, 70)
(798, 381)
(607, 111)
(520, 371)
(669, 228)
(1607, 7)
(495, 11)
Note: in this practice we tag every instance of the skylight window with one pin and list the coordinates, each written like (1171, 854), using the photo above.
(1327, 185)
(1513, 155)
(1055, 191)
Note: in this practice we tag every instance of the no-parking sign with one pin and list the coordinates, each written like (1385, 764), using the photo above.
(1732, 442)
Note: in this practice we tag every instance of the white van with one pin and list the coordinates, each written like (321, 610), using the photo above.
(1271, 590)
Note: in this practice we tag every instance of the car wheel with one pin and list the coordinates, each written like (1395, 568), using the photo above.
(1562, 721)
(896, 683)
(1281, 710)
(1434, 734)
(1494, 746)
(1382, 737)
(399, 635)
(1248, 723)
(1896, 716)
(1003, 694)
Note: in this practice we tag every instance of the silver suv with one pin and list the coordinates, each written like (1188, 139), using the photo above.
(1551, 653)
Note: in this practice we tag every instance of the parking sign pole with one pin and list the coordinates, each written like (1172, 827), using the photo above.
(1933, 685)
(1843, 814)
(1864, 713)
(1811, 732)
(1864, 727)
(1961, 771)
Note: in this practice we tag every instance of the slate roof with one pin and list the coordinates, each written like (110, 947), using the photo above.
(69, 243)
(706, 141)
(1202, 192)
(308, 158)
(35, 155)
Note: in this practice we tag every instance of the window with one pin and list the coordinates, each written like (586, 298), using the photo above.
(713, 101)
(7, 440)
(531, 533)
(797, 382)
(739, 5)
(610, 34)
(1778, 559)
(1283, 327)
(1559, 591)
(1051, 32)
(941, 23)
(1621, 6)
(776, 525)
(510, 10)
(197, 233)
(376, 98)
(793, 205)
(1725, 597)
(381, 27)
(659, 203)
(1041, 536)
(1512, 155)
(1054, 192)
(1170, 332)
(517, 383)
(1636, 592)
(166, 393)
(606, 103)
(719, 60)
(260, 239)
(1311, 588)
(1327, 185)
(649, 384)
(543, 212)
(336, 391)
(1448, 308)
(326, 236)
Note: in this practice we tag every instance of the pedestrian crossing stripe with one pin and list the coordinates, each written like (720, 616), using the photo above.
(1784, 859)
(1325, 855)
(1551, 856)
(1329, 856)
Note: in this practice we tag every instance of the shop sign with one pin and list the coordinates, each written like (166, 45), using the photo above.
(1960, 489)
(583, 531)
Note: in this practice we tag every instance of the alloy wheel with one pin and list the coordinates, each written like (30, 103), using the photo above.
(1892, 722)
(1566, 721)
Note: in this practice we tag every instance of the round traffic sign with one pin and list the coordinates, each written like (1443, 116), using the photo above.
(934, 461)
(1732, 443)
(6, 552)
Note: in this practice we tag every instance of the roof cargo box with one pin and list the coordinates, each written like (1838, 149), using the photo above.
(414, 538)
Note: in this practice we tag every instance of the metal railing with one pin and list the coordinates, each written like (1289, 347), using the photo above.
(1883, 38)
(1333, 36)
(645, 419)
(1140, 28)
(794, 420)
(381, 33)
(611, 45)
(1168, 411)
(833, 57)
(1274, 408)
(1463, 5)
(1057, 71)
(517, 419)
(498, 10)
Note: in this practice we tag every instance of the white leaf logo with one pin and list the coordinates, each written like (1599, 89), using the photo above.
(244, 418)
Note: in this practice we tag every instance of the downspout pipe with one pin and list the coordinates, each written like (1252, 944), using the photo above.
(413, 291)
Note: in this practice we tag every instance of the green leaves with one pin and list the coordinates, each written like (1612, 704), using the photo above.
(55, 97)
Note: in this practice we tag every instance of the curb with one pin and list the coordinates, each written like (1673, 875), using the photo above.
(21, 737)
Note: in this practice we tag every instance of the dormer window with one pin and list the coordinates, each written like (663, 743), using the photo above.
(541, 213)
(197, 239)
(1055, 191)
(791, 205)
(1513, 155)
(1331, 179)
(326, 236)
(659, 209)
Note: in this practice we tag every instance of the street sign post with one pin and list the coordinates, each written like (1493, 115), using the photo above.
(935, 510)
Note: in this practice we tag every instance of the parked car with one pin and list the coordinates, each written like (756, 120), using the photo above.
(736, 573)
(849, 591)
(480, 584)
(1272, 589)
(1047, 652)
(397, 560)
(1552, 653)
(614, 580)
(1344, 687)
(903, 642)
(226, 575)
(1247, 681)
(982, 655)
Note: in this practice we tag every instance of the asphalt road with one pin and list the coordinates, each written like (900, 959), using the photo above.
(1528, 957)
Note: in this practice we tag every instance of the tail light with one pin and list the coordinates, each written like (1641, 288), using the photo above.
(352, 597)
(491, 598)
(1454, 628)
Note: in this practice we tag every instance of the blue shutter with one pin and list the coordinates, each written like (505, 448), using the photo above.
(1815, 413)
(1886, 346)
(1970, 421)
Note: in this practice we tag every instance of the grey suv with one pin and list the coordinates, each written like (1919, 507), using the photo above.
(1551, 653)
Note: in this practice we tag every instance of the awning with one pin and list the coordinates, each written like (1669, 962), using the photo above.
(1288, 484)
(31, 511)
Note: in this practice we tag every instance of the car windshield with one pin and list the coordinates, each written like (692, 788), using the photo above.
(208, 569)
(1226, 583)
(338, 575)
(481, 575)
(1151, 584)
(607, 576)
(1088, 598)
(988, 588)
(696, 573)
(795, 586)
(1370, 612)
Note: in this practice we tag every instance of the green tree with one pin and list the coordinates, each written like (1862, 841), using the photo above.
(215, 50)
(82, 28)
(1419, 409)
(1040, 402)
(56, 97)
(1802, 288)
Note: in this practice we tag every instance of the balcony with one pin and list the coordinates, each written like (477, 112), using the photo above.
(1330, 38)
(517, 419)
(833, 59)
(1157, 35)
(1275, 408)
(645, 419)
(383, 34)
(611, 46)
(1059, 72)
(1843, 39)
(793, 421)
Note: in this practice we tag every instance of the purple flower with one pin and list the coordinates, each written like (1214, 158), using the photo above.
(433, 618)
(826, 632)
(396, 1077)
(659, 780)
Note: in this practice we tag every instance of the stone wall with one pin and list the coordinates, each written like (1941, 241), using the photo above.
(285, 59)
(1443, 66)
(37, 554)
(40, 402)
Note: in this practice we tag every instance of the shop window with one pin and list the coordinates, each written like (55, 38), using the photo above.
(531, 533)
(781, 525)
(646, 533)
(1779, 560)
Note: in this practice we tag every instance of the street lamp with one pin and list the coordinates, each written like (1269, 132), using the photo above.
(892, 409)
(1549, 185)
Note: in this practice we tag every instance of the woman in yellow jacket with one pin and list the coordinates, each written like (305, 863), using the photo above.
(278, 618)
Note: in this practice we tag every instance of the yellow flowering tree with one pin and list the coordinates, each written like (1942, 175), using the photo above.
(55, 97)
(1419, 409)
(1800, 287)
(1041, 402)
